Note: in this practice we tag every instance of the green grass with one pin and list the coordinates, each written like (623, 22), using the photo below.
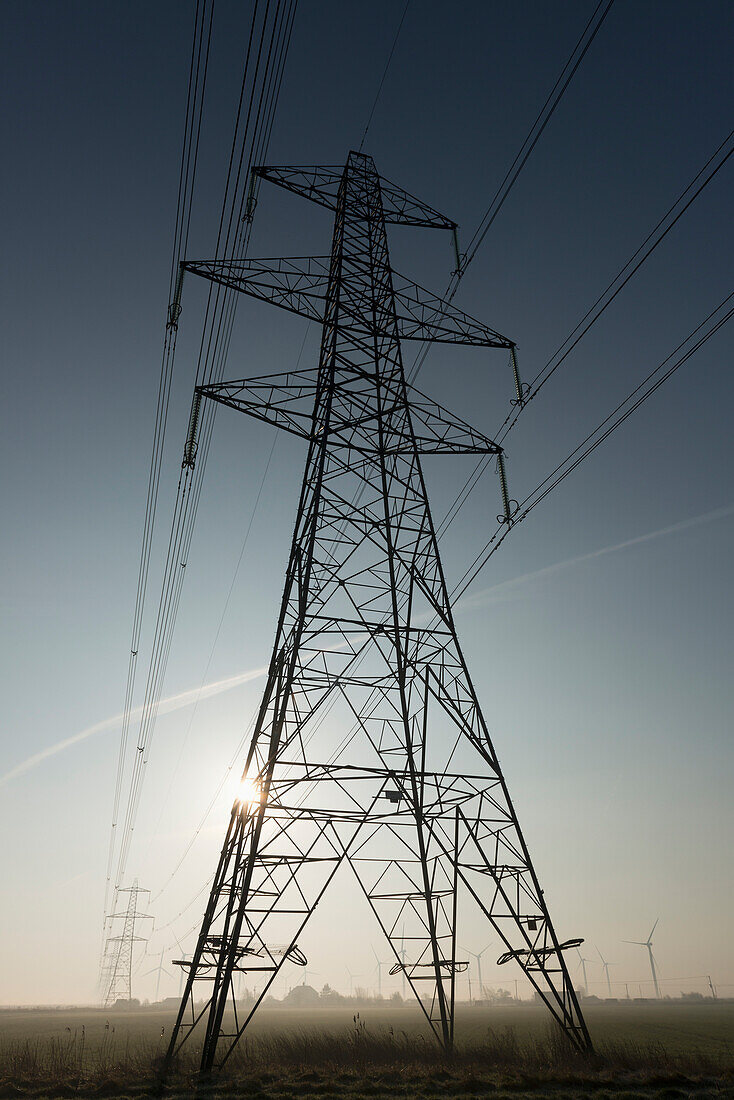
(671, 1050)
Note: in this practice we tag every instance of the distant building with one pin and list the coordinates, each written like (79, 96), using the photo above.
(301, 995)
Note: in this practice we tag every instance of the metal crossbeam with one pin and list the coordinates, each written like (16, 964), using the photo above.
(322, 185)
(286, 400)
(300, 284)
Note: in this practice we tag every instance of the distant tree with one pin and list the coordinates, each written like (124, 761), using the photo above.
(396, 998)
(330, 995)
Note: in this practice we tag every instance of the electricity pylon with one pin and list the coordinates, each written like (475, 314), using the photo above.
(369, 748)
(118, 960)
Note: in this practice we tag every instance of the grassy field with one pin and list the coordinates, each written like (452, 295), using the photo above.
(673, 1049)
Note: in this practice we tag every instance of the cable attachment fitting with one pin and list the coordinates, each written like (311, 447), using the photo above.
(189, 455)
(510, 506)
(251, 199)
(174, 308)
(522, 389)
(457, 254)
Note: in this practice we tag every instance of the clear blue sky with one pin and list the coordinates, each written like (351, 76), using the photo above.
(606, 681)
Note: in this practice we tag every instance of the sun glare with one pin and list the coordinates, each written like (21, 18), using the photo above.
(249, 793)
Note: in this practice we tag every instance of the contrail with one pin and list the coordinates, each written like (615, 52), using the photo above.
(485, 595)
(173, 702)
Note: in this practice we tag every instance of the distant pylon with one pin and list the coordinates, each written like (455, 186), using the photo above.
(117, 969)
(370, 748)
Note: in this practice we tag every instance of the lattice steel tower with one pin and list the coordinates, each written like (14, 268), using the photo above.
(117, 964)
(370, 747)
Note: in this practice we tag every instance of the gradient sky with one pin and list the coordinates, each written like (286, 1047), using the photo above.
(598, 637)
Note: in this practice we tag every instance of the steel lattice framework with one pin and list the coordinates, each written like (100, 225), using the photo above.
(117, 963)
(370, 747)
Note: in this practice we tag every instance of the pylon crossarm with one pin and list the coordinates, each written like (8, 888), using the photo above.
(402, 208)
(299, 284)
(280, 409)
(321, 185)
(538, 953)
(422, 315)
(449, 434)
(287, 402)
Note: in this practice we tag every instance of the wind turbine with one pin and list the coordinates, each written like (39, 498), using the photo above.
(648, 944)
(160, 969)
(606, 966)
(378, 968)
(402, 956)
(181, 963)
(582, 964)
(478, 957)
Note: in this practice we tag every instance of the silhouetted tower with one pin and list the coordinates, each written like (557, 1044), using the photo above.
(118, 959)
(369, 747)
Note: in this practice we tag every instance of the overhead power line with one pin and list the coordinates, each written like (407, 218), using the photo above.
(649, 385)
(264, 44)
(534, 134)
(198, 69)
(269, 38)
(655, 237)
(222, 617)
(544, 116)
(384, 74)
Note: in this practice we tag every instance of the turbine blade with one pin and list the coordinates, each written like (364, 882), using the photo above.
(653, 929)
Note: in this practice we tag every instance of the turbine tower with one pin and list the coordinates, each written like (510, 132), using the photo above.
(648, 944)
(378, 968)
(478, 957)
(158, 970)
(582, 964)
(369, 748)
